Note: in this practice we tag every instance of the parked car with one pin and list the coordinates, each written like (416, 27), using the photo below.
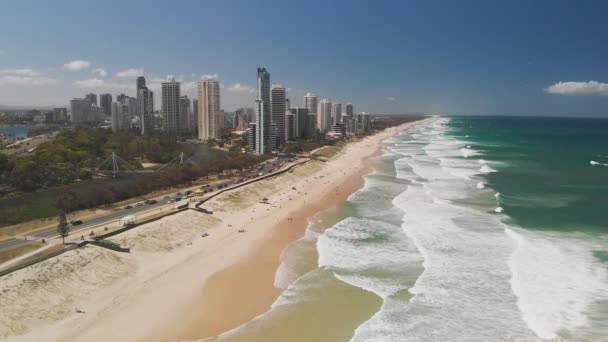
(139, 204)
(165, 197)
(179, 193)
(152, 202)
(76, 222)
(128, 207)
(170, 201)
(178, 199)
(188, 192)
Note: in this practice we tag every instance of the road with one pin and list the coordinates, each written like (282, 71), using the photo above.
(140, 207)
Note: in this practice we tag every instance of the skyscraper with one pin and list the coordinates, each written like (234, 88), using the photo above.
(81, 110)
(184, 114)
(301, 121)
(91, 98)
(145, 106)
(105, 102)
(145, 100)
(310, 103)
(195, 116)
(170, 106)
(208, 109)
(348, 110)
(121, 98)
(324, 119)
(140, 83)
(263, 120)
(277, 109)
(336, 113)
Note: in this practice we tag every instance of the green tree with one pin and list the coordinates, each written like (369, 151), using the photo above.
(63, 228)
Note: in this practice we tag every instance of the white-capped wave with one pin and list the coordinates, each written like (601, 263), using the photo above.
(486, 169)
(369, 254)
(481, 185)
(556, 280)
(593, 162)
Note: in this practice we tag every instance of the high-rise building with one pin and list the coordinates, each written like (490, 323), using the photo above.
(105, 102)
(336, 113)
(277, 110)
(301, 121)
(363, 123)
(310, 103)
(121, 98)
(324, 119)
(91, 98)
(140, 83)
(290, 127)
(184, 114)
(81, 111)
(145, 100)
(311, 127)
(194, 117)
(287, 105)
(60, 114)
(208, 109)
(251, 136)
(170, 106)
(263, 119)
(116, 118)
(348, 110)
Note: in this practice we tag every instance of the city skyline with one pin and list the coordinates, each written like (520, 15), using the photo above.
(434, 57)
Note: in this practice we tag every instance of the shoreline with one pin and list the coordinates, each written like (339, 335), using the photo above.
(176, 284)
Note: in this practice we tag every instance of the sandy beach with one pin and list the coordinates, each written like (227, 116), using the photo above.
(175, 284)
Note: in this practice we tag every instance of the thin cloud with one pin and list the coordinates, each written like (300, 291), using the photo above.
(100, 84)
(238, 87)
(76, 65)
(131, 72)
(210, 76)
(391, 99)
(23, 72)
(100, 72)
(18, 80)
(578, 88)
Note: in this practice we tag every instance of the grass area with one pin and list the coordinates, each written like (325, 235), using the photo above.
(12, 253)
(328, 152)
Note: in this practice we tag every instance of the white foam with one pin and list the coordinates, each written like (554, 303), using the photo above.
(465, 282)
(486, 169)
(481, 185)
(498, 210)
(556, 279)
(593, 162)
(369, 254)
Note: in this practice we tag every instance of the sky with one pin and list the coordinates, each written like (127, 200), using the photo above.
(439, 57)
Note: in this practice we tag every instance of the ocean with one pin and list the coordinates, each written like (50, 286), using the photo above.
(469, 229)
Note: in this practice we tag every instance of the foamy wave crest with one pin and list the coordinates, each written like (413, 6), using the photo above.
(481, 185)
(556, 279)
(368, 254)
(486, 169)
(593, 162)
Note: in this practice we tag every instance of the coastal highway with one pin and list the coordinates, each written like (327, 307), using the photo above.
(140, 207)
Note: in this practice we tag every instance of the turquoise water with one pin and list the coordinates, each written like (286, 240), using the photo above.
(553, 172)
(15, 131)
(470, 229)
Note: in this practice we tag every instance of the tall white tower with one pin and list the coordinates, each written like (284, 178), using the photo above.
(208, 109)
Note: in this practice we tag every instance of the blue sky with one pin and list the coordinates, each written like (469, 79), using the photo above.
(442, 57)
